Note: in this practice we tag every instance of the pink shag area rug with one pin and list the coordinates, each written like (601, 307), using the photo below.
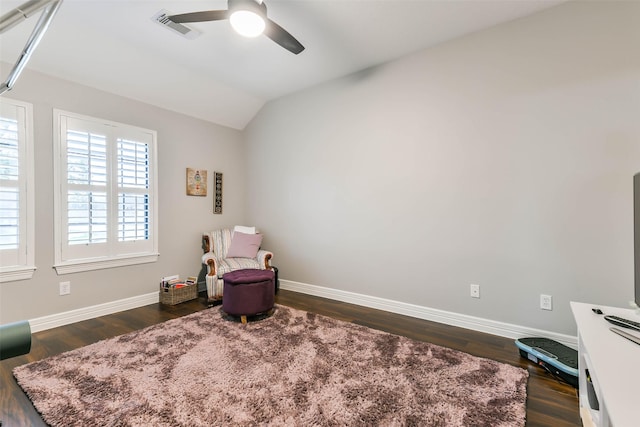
(292, 369)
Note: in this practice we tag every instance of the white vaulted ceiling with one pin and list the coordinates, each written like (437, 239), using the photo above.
(113, 45)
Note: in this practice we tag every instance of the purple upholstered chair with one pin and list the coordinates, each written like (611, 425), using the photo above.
(248, 292)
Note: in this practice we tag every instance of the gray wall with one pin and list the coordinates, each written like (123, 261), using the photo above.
(182, 142)
(503, 158)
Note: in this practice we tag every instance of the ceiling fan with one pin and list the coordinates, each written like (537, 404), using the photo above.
(248, 18)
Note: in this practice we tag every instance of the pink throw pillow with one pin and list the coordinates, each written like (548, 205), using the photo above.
(244, 245)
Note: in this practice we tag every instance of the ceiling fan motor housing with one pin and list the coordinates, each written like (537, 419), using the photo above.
(249, 5)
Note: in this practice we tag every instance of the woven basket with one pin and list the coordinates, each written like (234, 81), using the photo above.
(173, 296)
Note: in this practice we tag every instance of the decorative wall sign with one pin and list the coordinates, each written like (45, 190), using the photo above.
(196, 182)
(217, 200)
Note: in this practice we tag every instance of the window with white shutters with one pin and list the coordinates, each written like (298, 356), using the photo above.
(105, 198)
(16, 191)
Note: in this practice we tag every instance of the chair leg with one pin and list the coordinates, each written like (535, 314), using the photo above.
(243, 319)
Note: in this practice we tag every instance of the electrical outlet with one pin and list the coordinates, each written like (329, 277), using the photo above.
(475, 291)
(546, 302)
(65, 288)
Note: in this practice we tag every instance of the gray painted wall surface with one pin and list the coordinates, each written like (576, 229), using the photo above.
(182, 142)
(504, 158)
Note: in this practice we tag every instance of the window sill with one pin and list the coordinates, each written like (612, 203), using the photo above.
(17, 273)
(99, 264)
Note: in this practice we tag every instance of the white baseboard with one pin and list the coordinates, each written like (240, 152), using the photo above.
(420, 312)
(85, 313)
(479, 324)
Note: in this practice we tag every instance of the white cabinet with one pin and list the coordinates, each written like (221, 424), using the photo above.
(609, 368)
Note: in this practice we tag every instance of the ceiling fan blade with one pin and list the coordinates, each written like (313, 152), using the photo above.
(279, 35)
(208, 15)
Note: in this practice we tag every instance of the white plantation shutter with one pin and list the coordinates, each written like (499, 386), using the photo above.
(86, 187)
(16, 191)
(10, 190)
(133, 190)
(106, 188)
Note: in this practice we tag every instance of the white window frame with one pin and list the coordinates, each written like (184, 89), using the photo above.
(113, 253)
(19, 264)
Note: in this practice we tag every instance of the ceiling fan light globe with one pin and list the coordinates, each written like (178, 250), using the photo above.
(247, 23)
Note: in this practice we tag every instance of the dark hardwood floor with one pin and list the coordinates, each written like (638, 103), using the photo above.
(549, 402)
